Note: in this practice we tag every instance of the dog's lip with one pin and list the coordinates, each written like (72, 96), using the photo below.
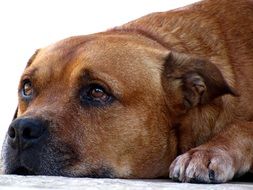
(21, 170)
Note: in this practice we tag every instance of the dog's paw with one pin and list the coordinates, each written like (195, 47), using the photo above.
(203, 166)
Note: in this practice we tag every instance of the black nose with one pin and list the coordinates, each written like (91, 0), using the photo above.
(25, 132)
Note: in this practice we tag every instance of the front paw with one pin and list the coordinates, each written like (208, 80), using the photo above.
(203, 166)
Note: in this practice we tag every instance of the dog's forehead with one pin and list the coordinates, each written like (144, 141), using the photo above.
(122, 56)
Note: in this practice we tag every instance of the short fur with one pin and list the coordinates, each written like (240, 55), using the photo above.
(182, 82)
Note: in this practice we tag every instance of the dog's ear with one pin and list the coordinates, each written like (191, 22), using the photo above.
(27, 65)
(191, 81)
(15, 114)
(32, 58)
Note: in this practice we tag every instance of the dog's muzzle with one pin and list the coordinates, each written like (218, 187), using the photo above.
(24, 140)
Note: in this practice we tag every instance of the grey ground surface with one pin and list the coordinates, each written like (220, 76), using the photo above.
(14, 182)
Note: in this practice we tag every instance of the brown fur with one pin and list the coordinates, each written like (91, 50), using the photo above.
(183, 86)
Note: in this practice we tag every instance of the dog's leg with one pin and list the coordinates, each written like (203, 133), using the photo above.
(227, 155)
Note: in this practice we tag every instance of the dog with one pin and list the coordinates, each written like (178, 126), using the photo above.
(166, 95)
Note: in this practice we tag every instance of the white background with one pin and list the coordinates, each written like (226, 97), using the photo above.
(26, 25)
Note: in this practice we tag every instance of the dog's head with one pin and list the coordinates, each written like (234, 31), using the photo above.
(105, 105)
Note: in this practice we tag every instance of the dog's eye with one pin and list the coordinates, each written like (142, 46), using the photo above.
(27, 89)
(95, 95)
(98, 93)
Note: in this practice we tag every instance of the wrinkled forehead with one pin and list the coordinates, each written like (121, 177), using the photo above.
(122, 58)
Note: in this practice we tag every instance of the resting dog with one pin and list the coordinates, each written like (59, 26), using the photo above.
(167, 95)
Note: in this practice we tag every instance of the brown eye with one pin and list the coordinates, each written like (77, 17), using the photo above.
(95, 95)
(27, 89)
(98, 94)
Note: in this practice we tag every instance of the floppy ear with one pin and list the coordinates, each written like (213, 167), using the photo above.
(32, 58)
(192, 81)
(27, 65)
(15, 114)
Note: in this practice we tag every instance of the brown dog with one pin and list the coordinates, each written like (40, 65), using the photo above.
(127, 102)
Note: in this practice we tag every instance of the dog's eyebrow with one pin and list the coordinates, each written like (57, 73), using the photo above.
(29, 73)
(109, 80)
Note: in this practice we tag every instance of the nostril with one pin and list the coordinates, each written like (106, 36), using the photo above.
(31, 132)
(27, 133)
(12, 133)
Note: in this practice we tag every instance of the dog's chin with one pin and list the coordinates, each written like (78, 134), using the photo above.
(22, 171)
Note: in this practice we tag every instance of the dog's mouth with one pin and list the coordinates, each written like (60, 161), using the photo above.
(23, 171)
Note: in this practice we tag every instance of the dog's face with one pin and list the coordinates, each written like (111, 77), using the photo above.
(101, 106)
